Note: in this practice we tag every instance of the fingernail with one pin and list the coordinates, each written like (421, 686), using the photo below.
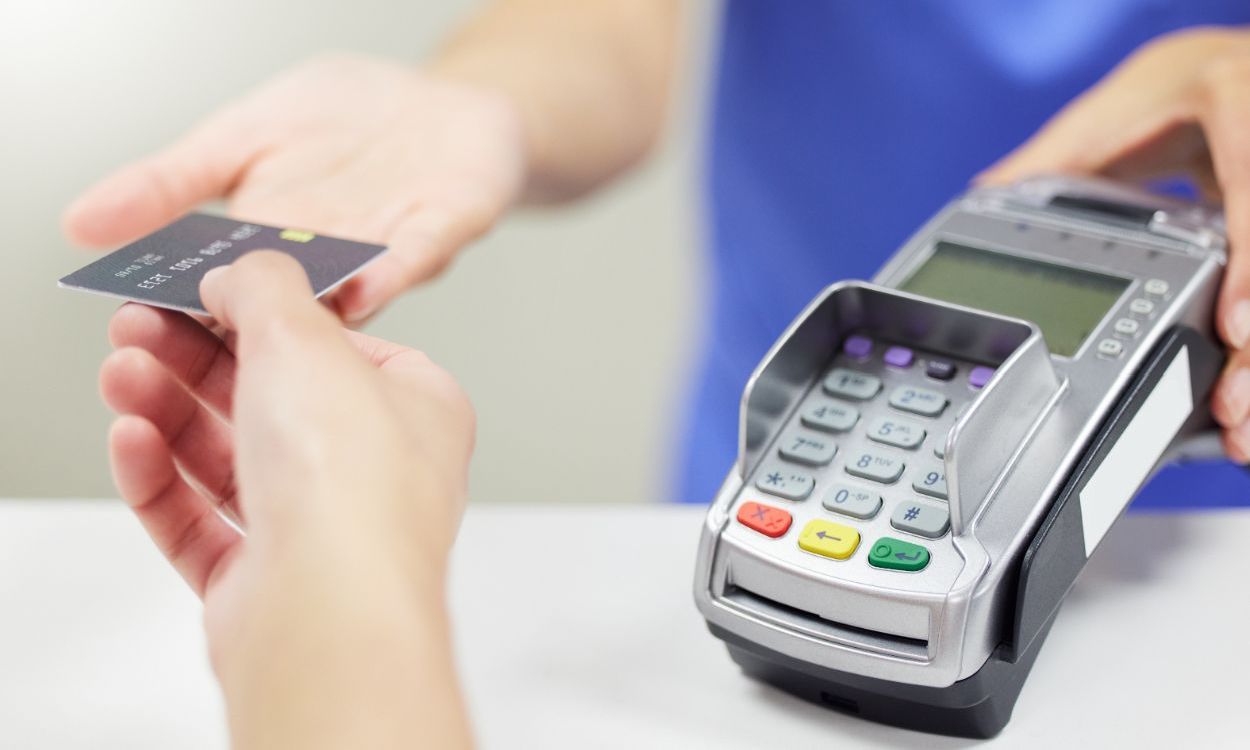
(355, 302)
(359, 315)
(1236, 395)
(211, 279)
(1239, 324)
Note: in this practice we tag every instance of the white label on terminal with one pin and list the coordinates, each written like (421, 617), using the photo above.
(1139, 448)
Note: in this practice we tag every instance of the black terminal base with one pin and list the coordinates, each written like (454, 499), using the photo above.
(978, 706)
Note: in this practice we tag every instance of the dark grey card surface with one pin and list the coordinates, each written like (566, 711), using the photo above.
(164, 268)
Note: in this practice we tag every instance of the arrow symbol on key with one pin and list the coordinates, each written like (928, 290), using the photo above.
(823, 535)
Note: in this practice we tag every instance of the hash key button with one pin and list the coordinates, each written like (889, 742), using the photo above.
(921, 519)
(875, 466)
(922, 401)
(783, 481)
(807, 448)
(859, 386)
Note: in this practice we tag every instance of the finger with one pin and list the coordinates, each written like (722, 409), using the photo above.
(291, 352)
(1230, 401)
(147, 194)
(262, 297)
(1128, 111)
(422, 245)
(199, 359)
(132, 382)
(379, 352)
(1225, 114)
(1237, 443)
(184, 526)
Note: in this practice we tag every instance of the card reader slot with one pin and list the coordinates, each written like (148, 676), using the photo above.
(1103, 208)
(813, 624)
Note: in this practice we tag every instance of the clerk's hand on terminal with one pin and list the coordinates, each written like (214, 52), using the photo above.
(344, 458)
(1179, 105)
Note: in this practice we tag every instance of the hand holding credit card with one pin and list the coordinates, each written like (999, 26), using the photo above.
(164, 269)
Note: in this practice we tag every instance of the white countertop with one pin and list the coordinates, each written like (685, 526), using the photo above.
(575, 628)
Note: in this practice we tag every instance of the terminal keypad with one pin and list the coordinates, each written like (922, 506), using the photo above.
(885, 422)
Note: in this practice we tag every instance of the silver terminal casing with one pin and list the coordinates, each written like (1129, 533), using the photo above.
(1006, 455)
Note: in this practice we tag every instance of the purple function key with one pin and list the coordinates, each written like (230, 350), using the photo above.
(980, 376)
(898, 356)
(858, 347)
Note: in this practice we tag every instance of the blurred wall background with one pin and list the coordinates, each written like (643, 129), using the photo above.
(571, 329)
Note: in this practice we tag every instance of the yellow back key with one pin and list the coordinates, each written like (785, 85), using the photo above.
(829, 539)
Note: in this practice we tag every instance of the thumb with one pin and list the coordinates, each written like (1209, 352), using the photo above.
(265, 298)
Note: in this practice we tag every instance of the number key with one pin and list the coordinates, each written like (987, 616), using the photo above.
(900, 432)
(931, 480)
(851, 501)
(875, 466)
(830, 416)
(807, 448)
(851, 384)
(920, 401)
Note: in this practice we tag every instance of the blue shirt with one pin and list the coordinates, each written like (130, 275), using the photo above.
(838, 127)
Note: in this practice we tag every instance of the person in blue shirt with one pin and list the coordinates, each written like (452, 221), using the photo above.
(836, 128)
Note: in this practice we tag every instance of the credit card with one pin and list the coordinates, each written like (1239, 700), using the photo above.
(164, 268)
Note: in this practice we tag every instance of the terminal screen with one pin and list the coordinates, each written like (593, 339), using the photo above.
(1065, 303)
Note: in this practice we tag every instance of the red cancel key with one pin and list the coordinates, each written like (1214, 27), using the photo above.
(765, 519)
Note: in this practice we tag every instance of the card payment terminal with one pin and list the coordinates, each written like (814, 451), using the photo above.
(927, 461)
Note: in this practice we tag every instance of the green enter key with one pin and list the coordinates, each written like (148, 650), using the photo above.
(896, 554)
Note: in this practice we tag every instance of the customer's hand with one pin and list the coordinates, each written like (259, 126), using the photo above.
(344, 458)
(1179, 105)
(354, 147)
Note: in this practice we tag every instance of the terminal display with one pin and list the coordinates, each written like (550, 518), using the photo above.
(1066, 303)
